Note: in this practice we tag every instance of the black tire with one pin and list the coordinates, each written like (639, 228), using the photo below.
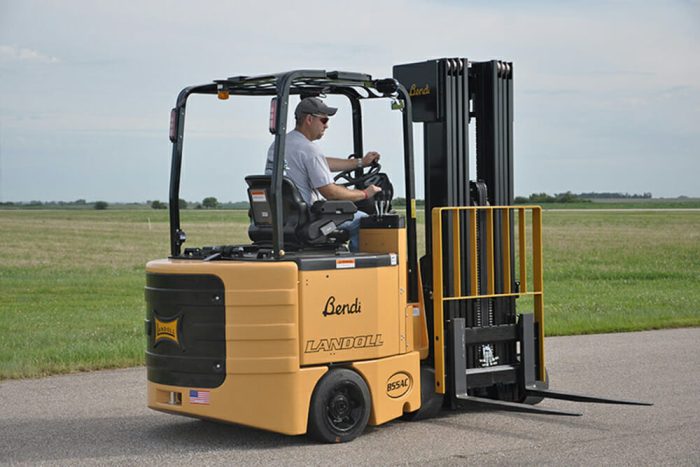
(340, 407)
(430, 401)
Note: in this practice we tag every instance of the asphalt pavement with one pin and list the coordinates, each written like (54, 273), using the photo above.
(100, 418)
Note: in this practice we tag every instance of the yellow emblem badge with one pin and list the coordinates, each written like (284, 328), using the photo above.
(167, 330)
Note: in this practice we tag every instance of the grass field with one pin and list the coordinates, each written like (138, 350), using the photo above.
(71, 282)
(655, 203)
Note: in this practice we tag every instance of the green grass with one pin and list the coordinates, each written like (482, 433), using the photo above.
(661, 203)
(71, 293)
(613, 271)
(71, 282)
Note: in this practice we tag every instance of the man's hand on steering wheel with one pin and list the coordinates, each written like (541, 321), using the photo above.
(372, 190)
(367, 167)
(370, 158)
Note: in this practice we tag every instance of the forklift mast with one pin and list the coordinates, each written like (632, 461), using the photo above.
(449, 95)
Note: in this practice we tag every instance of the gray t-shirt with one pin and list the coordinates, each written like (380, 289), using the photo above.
(304, 164)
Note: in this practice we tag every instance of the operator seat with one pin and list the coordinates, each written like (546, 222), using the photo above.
(303, 227)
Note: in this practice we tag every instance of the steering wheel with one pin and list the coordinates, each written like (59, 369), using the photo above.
(350, 178)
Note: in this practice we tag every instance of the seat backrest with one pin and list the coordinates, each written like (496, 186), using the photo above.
(294, 208)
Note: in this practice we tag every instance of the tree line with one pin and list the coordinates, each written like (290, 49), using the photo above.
(211, 202)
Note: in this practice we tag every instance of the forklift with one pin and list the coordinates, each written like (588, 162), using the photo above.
(295, 334)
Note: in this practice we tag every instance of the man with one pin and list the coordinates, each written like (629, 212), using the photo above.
(310, 170)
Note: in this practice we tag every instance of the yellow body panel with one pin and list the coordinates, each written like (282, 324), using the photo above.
(394, 385)
(394, 240)
(417, 329)
(349, 314)
(285, 325)
(261, 311)
(276, 402)
(264, 386)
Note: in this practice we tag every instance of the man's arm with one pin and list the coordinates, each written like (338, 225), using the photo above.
(339, 165)
(333, 191)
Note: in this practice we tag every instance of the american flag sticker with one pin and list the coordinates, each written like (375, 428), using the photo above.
(199, 397)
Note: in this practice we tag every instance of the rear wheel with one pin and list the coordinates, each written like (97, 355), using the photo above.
(340, 407)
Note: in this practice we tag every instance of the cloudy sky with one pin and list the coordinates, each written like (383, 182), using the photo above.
(607, 94)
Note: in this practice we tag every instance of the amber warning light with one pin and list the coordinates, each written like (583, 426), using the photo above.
(221, 92)
(273, 116)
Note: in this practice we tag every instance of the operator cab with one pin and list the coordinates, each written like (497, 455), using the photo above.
(282, 225)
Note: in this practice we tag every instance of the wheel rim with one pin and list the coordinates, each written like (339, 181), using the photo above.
(344, 407)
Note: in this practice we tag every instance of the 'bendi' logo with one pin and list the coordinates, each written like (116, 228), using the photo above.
(167, 331)
(342, 308)
(416, 91)
(344, 343)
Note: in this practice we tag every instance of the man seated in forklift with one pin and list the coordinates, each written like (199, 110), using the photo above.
(310, 170)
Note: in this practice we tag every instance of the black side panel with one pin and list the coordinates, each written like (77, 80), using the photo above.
(359, 260)
(193, 305)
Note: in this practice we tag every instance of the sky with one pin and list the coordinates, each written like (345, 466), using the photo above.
(607, 94)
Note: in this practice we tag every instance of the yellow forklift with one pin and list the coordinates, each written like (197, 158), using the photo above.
(295, 334)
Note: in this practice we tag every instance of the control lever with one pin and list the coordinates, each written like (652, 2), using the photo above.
(381, 204)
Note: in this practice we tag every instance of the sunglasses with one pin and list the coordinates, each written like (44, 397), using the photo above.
(323, 118)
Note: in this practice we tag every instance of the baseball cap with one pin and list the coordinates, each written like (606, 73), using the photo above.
(313, 105)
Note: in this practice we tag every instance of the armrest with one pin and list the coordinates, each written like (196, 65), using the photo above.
(333, 207)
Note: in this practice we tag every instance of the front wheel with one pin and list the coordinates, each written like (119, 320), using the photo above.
(340, 407)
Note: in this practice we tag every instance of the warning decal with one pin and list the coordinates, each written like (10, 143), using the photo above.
(258, 196)
(345, 263)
